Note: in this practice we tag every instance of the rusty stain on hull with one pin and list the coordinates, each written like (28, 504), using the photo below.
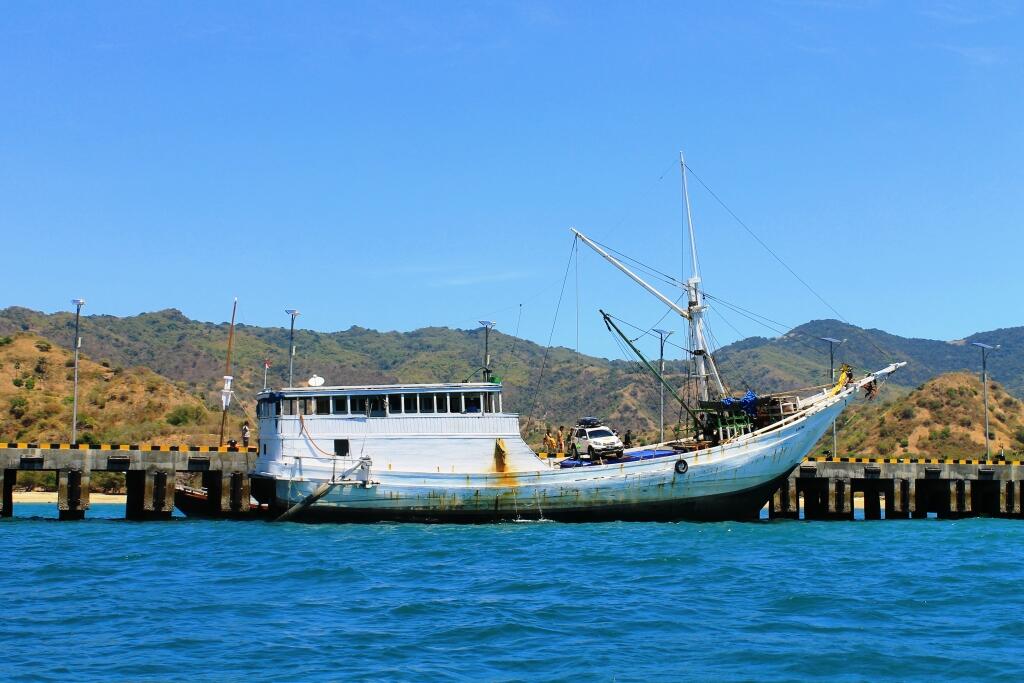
(505, 478)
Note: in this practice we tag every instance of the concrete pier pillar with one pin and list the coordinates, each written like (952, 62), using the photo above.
(236, 485)
(901, 494)
(872, 504)
(775, 506)
(967, 506)
(953, 491)
(213, 483)
(832, 509)
(889, 489)
(7, 497)
(150, 494)
(72, 494)
(226, 492)
(915, 505)
(1016, 489)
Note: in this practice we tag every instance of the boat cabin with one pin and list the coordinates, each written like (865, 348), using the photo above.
(383, 401)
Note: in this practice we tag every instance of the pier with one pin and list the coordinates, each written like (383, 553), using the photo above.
(900, 488)
(821, 488)
(150, 475)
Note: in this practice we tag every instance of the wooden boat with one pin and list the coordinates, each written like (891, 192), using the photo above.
(451, 453)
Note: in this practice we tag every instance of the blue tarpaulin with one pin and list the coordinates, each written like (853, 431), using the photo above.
(748, 402)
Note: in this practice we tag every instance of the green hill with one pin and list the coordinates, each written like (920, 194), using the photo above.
(115, 404)
(944, 417)
(193, 353)
(800, 358)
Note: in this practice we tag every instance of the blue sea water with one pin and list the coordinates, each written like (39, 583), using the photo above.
(106, 599)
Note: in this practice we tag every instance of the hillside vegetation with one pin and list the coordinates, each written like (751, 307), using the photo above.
(800, 358)
(943, 418)
(115, 404)
(191, 355)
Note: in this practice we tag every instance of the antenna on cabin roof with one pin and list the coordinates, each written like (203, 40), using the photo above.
(487, 324)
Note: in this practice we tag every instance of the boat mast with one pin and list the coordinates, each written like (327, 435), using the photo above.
(706, 371)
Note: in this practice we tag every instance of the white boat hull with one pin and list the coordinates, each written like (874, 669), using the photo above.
(731, 481)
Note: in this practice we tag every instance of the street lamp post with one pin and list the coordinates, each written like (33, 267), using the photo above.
(662, 336)
(832, 343)
(488, 324)
(78, 303)
(985, 348)
(291, 344)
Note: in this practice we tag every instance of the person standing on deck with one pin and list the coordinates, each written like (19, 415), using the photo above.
(561, 439)
(549, 442)
(245, 434)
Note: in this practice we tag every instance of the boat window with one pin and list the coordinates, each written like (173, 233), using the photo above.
(409, 403)
(472, 403)
(376, 406)
(323, 405)
(395, 404)
(358, 405)
(288, 406)
(492, 403)
(306, 406)
(341, 447)
(442, 403)
(426, 403)
(340, 405)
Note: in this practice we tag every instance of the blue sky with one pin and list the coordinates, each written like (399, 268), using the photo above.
(399, 165)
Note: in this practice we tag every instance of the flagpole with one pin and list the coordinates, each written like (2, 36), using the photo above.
(266, 368)
(225, 394)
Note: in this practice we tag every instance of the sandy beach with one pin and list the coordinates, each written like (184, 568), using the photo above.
(51, 497)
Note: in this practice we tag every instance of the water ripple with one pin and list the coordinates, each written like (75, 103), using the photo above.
(109, 600)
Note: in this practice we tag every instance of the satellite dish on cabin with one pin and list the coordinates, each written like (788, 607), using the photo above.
(316, 381)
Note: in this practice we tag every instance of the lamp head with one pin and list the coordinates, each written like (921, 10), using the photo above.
(663, 333)
(986, 347)
(832, 340)
(292, 312)
(487, 323)
(78, 302)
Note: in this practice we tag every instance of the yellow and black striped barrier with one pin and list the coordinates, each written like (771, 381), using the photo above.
(912, 461)
(129, 447)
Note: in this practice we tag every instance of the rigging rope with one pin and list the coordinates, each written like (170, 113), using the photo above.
(312, 442)
(511, 354)
(648, 333)
(544, 359)
(779, 259)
